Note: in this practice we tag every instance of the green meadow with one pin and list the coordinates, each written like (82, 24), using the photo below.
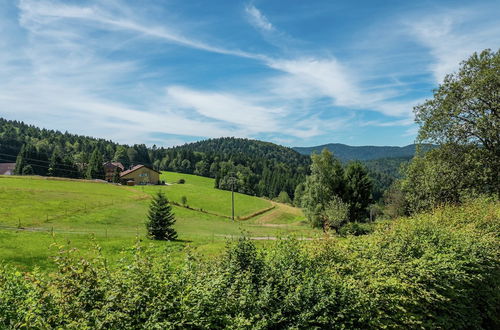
(38, 214)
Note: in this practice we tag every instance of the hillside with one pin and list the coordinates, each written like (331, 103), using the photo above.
(346, 153)
(76, 210)
(261, 168)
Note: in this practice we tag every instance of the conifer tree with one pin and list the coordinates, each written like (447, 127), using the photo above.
(358, 189)
(161, 219)
(20, 162)
(95, 168)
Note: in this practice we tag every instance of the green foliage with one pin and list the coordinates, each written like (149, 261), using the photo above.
(346, 153)
(181, 181)
(283, 198)
(95, 169)
(444, 175)
(356, 229)
(336, 213)
(184, 200)
(329, 182)
(28, 170)
(384, 172)
(438, 270)
(465, 111)
(161, 219)
(358, 190)
(325, 182)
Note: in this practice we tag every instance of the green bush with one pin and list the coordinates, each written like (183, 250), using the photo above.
(356, 229)
(435, 270)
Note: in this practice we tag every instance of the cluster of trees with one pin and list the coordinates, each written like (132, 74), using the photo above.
(333, 195)
(48, 152)
(260, 168)
(429, 272)
(463, 119)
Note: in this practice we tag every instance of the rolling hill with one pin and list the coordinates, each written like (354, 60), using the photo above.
(346, 153)
(38, 212)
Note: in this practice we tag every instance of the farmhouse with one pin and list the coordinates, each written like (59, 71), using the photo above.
(140, 174)
(110, 168)
(7, 168)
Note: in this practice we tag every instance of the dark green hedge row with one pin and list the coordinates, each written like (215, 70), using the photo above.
(439, 270)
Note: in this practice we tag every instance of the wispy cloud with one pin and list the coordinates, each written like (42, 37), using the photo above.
(257, 19)
(453, 35)
(41, 12)
(63, 64)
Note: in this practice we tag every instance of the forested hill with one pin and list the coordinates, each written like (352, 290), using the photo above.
(237, 147)
(346, 153)
(260, 168)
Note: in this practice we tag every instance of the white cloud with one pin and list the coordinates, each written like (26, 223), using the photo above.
(257, 19)
(63, 70)
(43, 12)
(453, 35)
(228, 108)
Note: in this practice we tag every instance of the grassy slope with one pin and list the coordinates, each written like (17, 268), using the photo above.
(75, 211)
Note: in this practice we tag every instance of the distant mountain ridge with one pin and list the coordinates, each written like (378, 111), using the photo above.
(346, 153)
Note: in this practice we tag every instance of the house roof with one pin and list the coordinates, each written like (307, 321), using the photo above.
(7, 168)
(115, 164)
(135, 168)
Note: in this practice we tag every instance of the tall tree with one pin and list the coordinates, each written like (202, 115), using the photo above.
(20, 161)
(95, 169)
(465, 110)
(325, 182)
(357, 191)
(121, 156)
(161, 219)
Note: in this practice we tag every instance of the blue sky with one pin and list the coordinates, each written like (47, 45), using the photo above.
(298, 73)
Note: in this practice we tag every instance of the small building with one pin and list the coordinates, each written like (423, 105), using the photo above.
(140, 174)
(110, 168)
(7, 168)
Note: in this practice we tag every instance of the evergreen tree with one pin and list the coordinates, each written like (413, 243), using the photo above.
(358, 189)
(95, 169)
(161, 219)
(20, 162)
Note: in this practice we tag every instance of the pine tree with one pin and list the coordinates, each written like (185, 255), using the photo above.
(95, 169)
(358, 191)
(161, 219)
(20, 162)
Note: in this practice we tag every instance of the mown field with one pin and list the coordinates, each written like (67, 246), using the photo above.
(37, 214)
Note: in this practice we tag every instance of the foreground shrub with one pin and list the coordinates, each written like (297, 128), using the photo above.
(437, 270)
(356, 229)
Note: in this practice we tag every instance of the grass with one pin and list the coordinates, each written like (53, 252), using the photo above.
(36, 213)
(200, 194)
